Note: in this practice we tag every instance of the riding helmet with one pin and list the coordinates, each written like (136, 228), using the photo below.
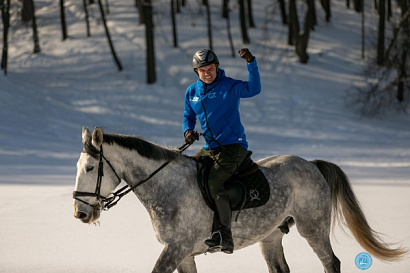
(204, 57)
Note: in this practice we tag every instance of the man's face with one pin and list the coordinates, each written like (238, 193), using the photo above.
(207, 73)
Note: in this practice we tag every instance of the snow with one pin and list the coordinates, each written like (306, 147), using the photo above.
(46, 98)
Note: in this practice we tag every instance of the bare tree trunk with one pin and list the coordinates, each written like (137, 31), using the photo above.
(250, 14)
(208, 17)
(358, 5)
(403, 24)
(402, 75)
(312, 9)
(35, 31)
(178, 3)
(242, 21)
(140, 11)
(107, 32)
(225, 8)
(363, 32)
(302, 39)
(87, 18)
(283, 12)
(26, 11)
(326, 6)
(380, 39)
(293, 25)
(5, 15)
(63, 21)
(174, 24)
(149, 36)
(228, 30)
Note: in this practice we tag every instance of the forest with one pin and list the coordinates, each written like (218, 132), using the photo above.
(387, 59)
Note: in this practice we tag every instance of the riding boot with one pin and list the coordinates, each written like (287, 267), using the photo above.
(222, 238)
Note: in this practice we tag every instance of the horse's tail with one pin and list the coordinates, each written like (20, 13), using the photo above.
(345, 205)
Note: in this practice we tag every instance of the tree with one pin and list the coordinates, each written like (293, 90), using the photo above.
(389, 87)
(26, 14)
(174, 25)
(293, 26)
(149, 37)
(242, 21)
(380, 40)
(326, 7)
(35, 32)
(208, 18)
(283, 11)
(250, 13)
(302, 39)
(358, 5)
(87, 18)
(5, 14)
(63, 21)
(107, 32)
(140, 6)
(228, 30)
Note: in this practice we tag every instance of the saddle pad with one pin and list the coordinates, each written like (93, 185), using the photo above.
(257, 190)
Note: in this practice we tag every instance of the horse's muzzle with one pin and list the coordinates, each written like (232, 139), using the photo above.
(86, 214)
(81, 215)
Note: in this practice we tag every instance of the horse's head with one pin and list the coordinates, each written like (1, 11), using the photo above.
(95, 180)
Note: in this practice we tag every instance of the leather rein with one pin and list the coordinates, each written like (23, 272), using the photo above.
(105, 203)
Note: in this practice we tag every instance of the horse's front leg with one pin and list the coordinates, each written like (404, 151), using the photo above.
(187, 265)
(172, 255)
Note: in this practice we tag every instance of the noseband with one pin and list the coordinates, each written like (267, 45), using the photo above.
(105, 203)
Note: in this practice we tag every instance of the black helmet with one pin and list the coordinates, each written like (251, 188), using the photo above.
(204, 57)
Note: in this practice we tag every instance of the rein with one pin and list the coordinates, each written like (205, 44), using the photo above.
(105, 203)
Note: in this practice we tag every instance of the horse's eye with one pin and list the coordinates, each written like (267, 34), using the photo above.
(89, 168)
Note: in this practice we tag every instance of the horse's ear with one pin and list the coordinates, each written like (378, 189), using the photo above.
(97, 138)
(86, 134)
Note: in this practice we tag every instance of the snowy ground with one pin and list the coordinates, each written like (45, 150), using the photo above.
(46, 98)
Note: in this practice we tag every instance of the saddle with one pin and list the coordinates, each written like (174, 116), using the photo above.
(248, 188)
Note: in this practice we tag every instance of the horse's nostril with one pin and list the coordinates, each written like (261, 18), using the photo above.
(81, 215)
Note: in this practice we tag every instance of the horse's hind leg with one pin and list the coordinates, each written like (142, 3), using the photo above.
(272, 251)
(187, 265)
(317, 235)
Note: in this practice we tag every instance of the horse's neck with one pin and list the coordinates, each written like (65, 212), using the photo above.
(167, 182)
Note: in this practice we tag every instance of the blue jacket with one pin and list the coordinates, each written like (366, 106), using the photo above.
(217, 107)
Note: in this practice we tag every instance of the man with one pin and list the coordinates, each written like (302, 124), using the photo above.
(214, 99)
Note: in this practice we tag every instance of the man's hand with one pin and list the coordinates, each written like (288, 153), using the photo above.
(191, 136)
(246, 54)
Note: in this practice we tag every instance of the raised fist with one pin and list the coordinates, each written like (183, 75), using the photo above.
(246, 54)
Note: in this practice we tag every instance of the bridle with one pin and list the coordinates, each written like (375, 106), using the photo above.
(105, 203)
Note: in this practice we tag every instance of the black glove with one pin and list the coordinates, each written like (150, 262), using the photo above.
(246, 54)
(191, 136)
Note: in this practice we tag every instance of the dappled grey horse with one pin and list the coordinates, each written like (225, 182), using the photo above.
(165, 182)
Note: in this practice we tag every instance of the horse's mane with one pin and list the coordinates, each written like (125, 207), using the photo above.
(144, 148)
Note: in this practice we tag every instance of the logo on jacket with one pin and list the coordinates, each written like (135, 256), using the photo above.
(212, 95)
(194, 99)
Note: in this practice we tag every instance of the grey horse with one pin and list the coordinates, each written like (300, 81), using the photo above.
(306, 191)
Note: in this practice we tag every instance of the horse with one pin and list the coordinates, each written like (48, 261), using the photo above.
(164, 180)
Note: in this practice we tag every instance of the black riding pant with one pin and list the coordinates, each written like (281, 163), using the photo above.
(227, 161)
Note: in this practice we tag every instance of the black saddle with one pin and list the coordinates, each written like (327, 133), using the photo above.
(248, 188)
